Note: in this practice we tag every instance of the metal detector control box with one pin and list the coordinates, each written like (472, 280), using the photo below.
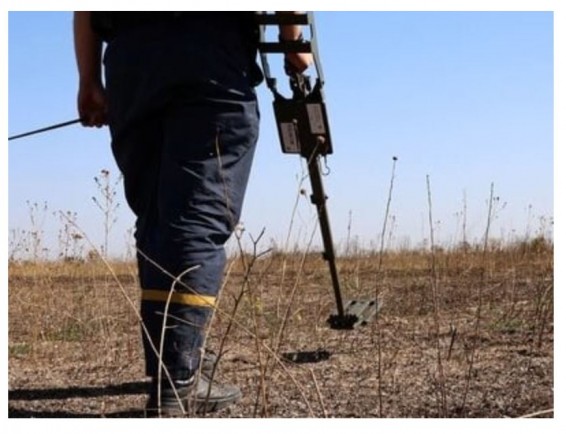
(303, 126)
(302, 120)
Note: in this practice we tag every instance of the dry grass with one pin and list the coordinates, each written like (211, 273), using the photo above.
(75, 351)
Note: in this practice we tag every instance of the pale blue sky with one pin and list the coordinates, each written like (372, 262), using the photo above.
(464, 97)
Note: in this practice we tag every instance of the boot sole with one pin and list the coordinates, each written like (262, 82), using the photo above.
(172, 408)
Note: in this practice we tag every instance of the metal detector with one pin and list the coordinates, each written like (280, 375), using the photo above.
(302, 124)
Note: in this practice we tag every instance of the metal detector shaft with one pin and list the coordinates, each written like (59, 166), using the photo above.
(318, 198)
(41, 130)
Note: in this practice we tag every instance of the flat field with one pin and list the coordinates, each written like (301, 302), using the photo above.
(460, 333)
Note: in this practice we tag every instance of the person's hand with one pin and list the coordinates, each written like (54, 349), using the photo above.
(298, 62)
(91, 103)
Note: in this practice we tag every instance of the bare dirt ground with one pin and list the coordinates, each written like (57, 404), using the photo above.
(471, 337)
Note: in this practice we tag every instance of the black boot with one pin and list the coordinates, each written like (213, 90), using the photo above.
(200, 396)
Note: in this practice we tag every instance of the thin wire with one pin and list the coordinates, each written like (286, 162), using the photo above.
(41, 130)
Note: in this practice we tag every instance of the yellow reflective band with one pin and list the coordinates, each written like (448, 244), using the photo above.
(178, 297)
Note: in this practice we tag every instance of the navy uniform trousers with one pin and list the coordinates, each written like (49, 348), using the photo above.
(184, 121)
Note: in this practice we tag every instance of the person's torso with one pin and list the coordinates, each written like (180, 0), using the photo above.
(217, 43)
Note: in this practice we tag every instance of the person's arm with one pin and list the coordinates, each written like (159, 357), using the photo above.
(299, 61)
(91, 100)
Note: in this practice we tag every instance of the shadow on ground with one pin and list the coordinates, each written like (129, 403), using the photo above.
(130, 388)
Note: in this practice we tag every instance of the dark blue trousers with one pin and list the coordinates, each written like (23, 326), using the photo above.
(184, 124)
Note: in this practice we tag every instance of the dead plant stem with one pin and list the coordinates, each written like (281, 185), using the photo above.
(478, 317)
(434, 286)
(378, 285)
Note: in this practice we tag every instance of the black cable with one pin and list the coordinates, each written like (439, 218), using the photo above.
(41, 130)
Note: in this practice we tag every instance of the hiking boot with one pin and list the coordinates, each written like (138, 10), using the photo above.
(205, 396)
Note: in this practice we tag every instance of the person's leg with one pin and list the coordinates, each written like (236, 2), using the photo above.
(137, 151)
(204, 167)
(185, 158)
(185, 174)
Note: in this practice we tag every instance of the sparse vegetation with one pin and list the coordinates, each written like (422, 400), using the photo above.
(72, 333)
(464, 331)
